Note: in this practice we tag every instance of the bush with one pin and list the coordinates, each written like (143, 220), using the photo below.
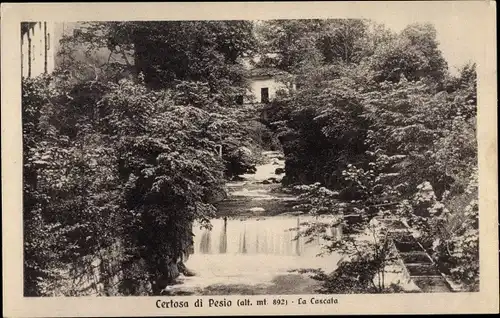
(135, 169)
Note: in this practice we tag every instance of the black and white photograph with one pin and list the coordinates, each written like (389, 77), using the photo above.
(310, 158)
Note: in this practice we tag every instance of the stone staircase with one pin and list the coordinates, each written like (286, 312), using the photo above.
(418, 264)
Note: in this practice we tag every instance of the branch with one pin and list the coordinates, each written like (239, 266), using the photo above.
(125, 58)
(96, 73)
(356, 248)
(107, 62)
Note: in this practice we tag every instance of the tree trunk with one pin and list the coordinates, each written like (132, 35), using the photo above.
(168, 276)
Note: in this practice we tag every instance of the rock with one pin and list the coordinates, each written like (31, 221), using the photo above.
(272, 180)
(279, 171)
(182, 293)
(238, 178)
(184, 270)
(245, 151)
(188, 273)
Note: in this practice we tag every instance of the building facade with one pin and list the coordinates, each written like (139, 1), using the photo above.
(264, 85)
(37, 48)
(265, 82)
(40, 44)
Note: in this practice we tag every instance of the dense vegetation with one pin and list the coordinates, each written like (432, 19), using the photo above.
(121, 154)
(378, 117)
(112, 162)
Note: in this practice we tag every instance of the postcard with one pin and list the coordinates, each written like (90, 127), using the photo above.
(249, 158)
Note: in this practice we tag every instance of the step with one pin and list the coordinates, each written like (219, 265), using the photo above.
(422, 270)
(407, 246)
(416, 258)
(432, 284)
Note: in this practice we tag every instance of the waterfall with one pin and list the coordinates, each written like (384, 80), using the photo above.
(268, 236)
(255, 248)
(205, 243)
(223, 238)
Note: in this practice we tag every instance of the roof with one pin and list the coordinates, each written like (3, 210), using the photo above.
(266, 72)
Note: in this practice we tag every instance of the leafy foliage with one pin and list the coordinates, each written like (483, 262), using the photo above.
(353, 277)
(452, 238)
(366, 243)
(381, 126)
(414, 53)
(209, 52)
(112, 164)
(70, 187)
(132, 139)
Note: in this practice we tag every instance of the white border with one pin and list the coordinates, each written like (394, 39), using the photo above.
(479, 16)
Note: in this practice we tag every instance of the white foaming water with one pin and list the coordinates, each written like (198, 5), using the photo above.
(265, 235)
(253, 251)
(265, 171)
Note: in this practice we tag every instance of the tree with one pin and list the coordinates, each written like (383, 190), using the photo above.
(70, 194)
(289, 44)
(321, 128)
(381, 129)
(365, 246)
(342, 40)
(171, 174)
(205, 51)
(203, 68)
(299, 45)
(414, 53)
(136, 170)
(113, 165)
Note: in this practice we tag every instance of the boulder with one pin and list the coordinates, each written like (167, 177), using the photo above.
(237, 178)
(245, 151)
(184, 270)
(279, 171)
(273, 180)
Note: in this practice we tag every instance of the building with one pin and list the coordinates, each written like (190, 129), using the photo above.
(40, 48)
(265, 82)
(40, 45)
(37, 48)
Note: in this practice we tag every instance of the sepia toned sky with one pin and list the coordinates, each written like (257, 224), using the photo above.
(454, 22)
(457, 42)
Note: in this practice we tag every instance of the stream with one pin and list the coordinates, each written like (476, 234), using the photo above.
(251, 248)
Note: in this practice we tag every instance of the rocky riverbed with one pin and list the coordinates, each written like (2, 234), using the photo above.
(251, 249)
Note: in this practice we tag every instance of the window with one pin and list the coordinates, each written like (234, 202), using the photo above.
(264, 95)
(239, 100)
